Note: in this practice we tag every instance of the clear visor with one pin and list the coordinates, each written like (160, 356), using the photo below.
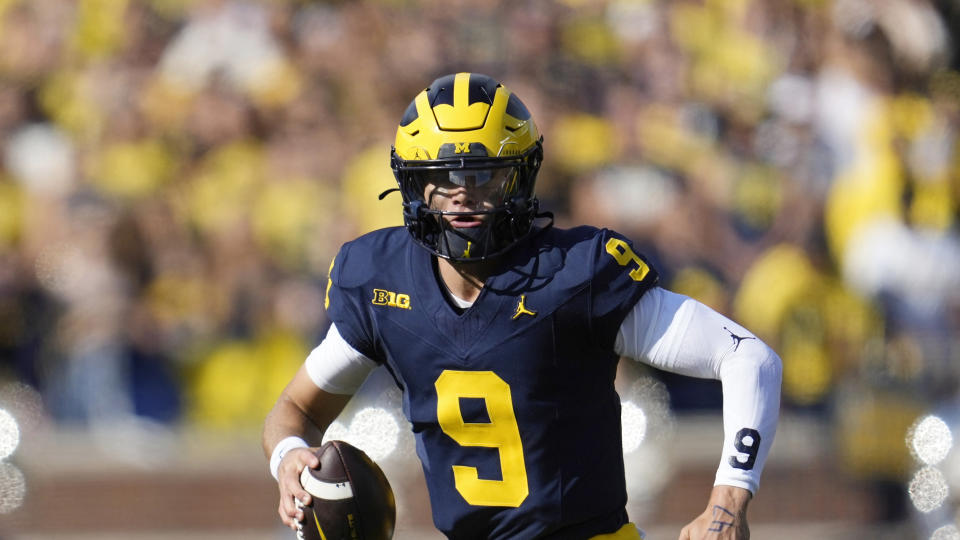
(498, 184)
(478, 178)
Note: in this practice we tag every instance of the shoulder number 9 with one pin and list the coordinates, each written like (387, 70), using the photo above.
(501, 433)
(621, 251)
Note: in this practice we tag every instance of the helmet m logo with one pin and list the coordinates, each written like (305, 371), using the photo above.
(461, 148)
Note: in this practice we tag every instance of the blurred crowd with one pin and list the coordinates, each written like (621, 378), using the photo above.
(175, 177)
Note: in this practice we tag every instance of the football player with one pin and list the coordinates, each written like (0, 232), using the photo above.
(504, 334)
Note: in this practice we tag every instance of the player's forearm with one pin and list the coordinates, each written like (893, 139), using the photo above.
(751, 380)
(303, 410)
(287, 419)
(731, 500)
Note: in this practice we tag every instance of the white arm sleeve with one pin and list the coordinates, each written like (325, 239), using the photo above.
(336, 367)
(678, 334)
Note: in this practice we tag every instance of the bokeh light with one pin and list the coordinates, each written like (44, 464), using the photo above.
(9, 434)
(928, 489)
(652, 397)
(375, 431)
(930, 440)
(634, 424)
(372, 429)
(947, 532)
(13, 488)
(24, 403)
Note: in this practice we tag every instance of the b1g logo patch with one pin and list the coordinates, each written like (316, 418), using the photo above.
(383, 297)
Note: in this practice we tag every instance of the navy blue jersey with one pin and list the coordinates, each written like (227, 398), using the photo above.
(512, 401)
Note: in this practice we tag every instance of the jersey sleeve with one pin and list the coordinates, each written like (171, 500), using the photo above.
(620, 277)
(676, 333)
(345, 305)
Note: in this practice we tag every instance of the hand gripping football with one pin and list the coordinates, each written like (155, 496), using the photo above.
(352, 499)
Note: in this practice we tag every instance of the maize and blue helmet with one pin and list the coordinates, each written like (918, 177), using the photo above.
(464, 127)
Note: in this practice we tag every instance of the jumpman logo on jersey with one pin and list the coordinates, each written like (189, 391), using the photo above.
(737, 339)
(522, 309)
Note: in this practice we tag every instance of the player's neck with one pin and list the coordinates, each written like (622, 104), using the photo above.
(464, 280)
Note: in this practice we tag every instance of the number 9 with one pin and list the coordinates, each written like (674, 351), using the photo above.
(502, 433)
(746, 442)
(622, 253)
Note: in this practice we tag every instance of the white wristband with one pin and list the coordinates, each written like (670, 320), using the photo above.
(281, 450)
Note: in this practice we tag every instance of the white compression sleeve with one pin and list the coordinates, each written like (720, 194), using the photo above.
(336, 367)
(678, 334)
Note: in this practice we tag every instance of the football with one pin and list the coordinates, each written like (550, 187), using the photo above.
(351, 497)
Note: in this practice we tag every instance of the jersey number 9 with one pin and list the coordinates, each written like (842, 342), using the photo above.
(501, 432)
(624, 255)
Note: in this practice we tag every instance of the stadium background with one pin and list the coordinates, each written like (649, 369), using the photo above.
(176, 175)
